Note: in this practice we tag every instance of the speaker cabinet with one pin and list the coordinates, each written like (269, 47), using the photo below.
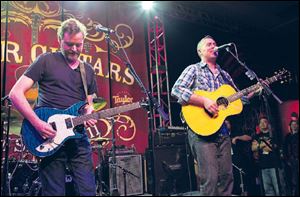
(131, 166)
(173, 170)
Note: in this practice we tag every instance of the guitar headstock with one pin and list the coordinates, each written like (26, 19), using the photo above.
(283, 76)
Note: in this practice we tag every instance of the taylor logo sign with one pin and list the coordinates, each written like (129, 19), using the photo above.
(123, 98)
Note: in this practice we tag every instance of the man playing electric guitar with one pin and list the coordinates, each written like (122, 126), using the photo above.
(213, 153)
(60, 86)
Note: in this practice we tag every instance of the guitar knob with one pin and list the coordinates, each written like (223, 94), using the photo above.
(41, 147)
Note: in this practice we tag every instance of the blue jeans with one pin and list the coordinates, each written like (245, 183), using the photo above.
(77, 154)
(213, 155)
(270, 182)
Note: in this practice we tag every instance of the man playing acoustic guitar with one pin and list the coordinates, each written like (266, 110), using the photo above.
(212, 152)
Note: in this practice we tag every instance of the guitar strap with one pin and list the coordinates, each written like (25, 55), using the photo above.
(83, 77)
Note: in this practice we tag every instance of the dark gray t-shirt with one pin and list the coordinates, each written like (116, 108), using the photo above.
(59, 85)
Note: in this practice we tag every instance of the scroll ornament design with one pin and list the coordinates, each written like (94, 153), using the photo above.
(49, 12)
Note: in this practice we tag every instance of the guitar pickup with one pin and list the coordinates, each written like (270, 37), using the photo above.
(53, 125)
(68, 122)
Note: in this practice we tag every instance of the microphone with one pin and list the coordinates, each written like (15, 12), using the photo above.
(222, 46)
(100, 28)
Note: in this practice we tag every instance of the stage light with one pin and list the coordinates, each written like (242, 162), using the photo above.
(147, 5)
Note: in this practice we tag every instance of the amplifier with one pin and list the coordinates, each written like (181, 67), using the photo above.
(129, 166)
(173, 170)
(170, 136)
(122, 150)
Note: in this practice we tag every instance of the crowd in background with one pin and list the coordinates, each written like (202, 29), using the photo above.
(268, 166)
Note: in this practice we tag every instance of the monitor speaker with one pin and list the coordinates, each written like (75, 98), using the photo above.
(129, 166)
(173, 170)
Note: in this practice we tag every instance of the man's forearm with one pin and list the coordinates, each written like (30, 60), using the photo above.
(197, 100)
(21, 104)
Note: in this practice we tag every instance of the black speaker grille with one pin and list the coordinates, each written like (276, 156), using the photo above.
(134, 182)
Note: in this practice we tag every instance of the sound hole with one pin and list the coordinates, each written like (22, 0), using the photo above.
(222, 102)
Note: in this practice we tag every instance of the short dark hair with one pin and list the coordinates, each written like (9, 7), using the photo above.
(297, 121)
(262, 116)
(71, 26)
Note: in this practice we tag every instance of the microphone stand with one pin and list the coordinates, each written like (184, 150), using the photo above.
(251, 74)
(4, 186)
(114, 191)
(5, 182)
(241, 172)
(100, 159)
(151, 104)
(188, 162)
(124, 176)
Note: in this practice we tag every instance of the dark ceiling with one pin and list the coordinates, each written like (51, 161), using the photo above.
(280, 17)
(266, 33)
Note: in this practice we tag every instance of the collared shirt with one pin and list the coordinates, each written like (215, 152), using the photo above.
(199, 77)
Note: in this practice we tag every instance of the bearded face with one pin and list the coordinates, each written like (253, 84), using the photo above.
(71, 46)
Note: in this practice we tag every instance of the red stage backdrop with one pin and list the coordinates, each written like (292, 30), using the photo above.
(32, 30)
(286, 109)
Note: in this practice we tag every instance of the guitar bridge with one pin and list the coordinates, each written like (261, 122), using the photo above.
(210, 114)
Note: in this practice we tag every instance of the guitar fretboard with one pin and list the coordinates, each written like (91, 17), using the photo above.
(250, 89)
(105, 113)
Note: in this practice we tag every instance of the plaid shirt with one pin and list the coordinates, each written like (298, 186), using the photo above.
(199, 77)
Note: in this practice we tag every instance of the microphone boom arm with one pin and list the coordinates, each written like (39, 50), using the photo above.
(251, 74)
(152, 101)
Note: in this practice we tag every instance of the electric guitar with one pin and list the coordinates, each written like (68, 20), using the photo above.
(228, 101)
(65, 123)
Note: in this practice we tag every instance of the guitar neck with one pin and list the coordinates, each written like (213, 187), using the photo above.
(250, 89)
(105, 113)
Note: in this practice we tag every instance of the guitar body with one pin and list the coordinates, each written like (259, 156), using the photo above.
(202, 122)
(57, 118)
